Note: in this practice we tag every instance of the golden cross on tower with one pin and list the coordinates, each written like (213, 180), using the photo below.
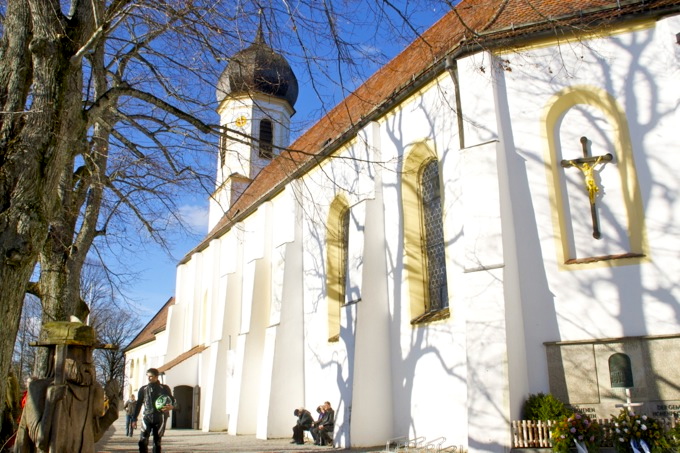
(587, 166)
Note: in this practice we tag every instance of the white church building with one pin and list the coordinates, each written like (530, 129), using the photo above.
(495, 213)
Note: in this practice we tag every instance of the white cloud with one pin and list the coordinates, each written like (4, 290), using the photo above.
(195, 217)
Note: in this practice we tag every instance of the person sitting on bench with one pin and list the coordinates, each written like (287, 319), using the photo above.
(322, 431)
(304, 423)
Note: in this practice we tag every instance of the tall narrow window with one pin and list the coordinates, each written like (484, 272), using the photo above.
(424, 245)
(337, 245)
(344, 247)
(266, 139)
(434, 238)
(131, 375)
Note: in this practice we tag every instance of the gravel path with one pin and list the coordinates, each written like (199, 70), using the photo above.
(189, 441)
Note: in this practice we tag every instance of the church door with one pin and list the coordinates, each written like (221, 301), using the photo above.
(181, 417)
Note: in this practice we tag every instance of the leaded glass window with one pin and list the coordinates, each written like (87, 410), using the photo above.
(434, 237)
(344, 248)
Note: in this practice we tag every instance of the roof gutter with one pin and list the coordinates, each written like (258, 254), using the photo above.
(560, 25)
(464, 48)
(397, 97)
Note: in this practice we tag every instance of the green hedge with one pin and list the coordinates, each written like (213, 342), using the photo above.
(541, 406)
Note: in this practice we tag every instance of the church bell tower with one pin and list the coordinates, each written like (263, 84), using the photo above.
(256, 95)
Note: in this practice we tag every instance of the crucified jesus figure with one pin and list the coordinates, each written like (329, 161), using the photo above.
(587, 169)
(587, 166)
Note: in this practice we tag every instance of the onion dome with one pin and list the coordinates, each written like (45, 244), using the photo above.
(258, 69)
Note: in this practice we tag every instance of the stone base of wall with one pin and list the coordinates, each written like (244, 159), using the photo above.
(549, 450)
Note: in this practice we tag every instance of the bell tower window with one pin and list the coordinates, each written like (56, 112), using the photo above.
(266, 139)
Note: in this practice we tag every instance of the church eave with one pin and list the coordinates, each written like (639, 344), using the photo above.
(624, 11)
(487, 39)
(235, 215)
(612, 340)
(156, 325)
(255, 97)
(182, 357)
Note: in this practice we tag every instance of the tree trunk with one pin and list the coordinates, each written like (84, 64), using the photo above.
(74, 224)
(35, 137)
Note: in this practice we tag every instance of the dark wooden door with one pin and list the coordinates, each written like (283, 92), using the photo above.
(182, 415)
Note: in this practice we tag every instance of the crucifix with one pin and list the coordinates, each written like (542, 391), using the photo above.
(638, 445)
(587, 165)
(629, 404)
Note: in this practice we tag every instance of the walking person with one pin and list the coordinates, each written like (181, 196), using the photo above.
(130, 406)
(157, 401)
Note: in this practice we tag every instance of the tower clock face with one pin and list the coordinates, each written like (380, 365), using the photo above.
(241, 121)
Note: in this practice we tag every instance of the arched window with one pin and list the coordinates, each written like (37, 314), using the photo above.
(142, 372)
(434, 237)
(337, 244)
(131, 376)
(594, 188)
(620, 371)
(424, 247)
(266, 139)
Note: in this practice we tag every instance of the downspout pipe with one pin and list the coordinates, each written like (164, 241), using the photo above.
(451, 67)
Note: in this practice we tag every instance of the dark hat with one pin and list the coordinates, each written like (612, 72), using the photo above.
(69, 333)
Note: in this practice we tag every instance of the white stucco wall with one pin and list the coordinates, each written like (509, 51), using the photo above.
(260, 290)
(601, 300)
(632, 68)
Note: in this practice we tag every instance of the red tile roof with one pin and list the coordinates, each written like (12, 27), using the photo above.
(156, 325)
(182, 357)
(474, 25)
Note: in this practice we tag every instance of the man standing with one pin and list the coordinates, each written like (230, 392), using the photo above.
(130, 406)
(304, 423)
(157, 401)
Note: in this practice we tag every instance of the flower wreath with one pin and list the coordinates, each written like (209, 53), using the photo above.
(578, 431)
(638, 433)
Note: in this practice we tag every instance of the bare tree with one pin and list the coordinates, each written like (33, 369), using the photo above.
(117, 328)
(29, 330)
(114, 325)
(106, 105)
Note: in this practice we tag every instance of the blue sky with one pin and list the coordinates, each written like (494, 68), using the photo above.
(153, 271)
(154, 282)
